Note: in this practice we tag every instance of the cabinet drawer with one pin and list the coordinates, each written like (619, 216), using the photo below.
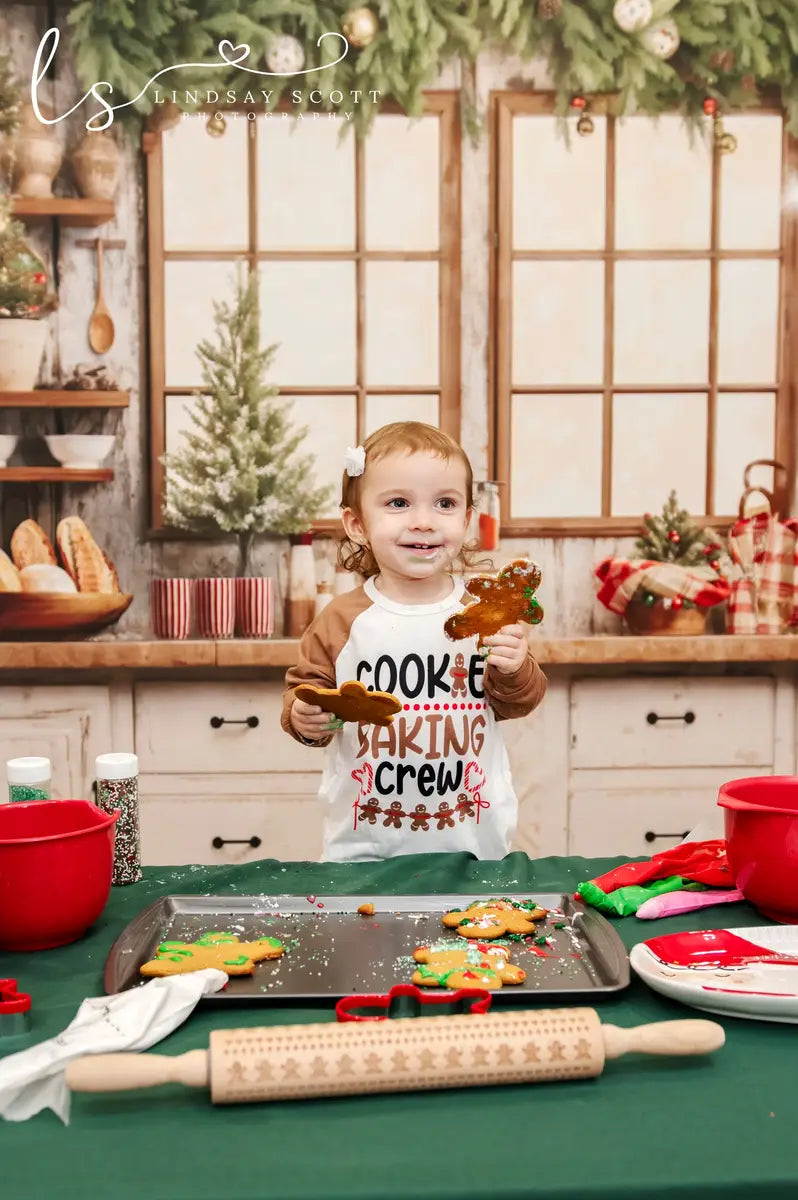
(611, 816)
(174, 732)
(669, 722)
(178, 829)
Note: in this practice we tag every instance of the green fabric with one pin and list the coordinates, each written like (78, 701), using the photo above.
(626, 900)
(719, 1127)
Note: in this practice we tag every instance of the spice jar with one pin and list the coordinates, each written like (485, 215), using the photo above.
(28, 779)
(488, 516)
(117, 787)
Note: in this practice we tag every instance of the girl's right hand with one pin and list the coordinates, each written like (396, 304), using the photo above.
(310, 720)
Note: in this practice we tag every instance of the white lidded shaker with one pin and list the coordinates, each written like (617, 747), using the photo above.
(28, 778)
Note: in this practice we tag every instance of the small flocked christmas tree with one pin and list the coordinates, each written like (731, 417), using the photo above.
(23, 279)
(238, 471)
(674, 537)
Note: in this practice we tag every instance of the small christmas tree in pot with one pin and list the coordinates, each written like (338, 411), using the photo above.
(677, 575)
(238, 470)
(24, 302)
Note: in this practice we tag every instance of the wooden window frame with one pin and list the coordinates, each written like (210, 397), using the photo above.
(504, 106)
(443, 103)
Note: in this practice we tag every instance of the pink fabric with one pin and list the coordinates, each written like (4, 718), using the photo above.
(673, 903)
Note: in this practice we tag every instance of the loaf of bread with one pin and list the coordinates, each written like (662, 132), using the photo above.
(30, 544)
(9, 575)
(83, 559)
(43, 577)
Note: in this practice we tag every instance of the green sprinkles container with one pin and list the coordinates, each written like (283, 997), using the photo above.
(28, 779)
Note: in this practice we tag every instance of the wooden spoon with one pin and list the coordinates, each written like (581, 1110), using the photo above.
(101, 327)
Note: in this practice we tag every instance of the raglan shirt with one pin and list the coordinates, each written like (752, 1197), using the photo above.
(438, 778)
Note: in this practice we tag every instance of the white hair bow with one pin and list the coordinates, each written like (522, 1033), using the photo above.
(355, 460)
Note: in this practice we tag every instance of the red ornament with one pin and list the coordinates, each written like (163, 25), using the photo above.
(710, 106)
(39, 277)
(578, 102)
(677, 602)
(715, 564)
(674, 537)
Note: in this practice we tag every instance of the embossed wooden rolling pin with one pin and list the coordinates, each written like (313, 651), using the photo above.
(291, 1062)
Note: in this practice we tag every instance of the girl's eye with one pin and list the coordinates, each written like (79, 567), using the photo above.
(448, 502)
(397, 501)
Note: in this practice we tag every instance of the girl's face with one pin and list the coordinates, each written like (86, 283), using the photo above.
(414, 514)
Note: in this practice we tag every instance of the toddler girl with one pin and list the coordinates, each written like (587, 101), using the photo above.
(437, 778)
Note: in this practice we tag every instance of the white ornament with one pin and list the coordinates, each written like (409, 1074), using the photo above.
(355, 460)
(285, 55)
(632, 15)
(661, 38)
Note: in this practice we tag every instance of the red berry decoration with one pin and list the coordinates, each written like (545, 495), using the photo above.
(674, 537)
(39, 277)
(710, 106)
(715, 564)
(578, 102)
(677, 602)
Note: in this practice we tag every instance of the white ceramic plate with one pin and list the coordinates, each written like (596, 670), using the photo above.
(757, 991)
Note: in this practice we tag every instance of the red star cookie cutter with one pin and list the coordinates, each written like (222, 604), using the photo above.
(407, 1000)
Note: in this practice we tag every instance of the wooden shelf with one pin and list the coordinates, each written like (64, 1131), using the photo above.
(45, 398)
(54, 475)
(69, 210)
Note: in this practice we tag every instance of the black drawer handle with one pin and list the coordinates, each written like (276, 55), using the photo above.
(650, 836)
(218, 842)
(687, 717)
(218, 722)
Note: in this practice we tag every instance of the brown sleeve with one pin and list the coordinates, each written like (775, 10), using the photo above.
(518, 694)
(321, 643)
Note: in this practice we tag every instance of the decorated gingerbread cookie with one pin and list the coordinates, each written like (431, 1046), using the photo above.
(221, 950)
(501, 599)
(494, 919)
(475, 966)
(352, 702)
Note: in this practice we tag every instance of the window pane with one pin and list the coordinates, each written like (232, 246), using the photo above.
(384, 410)
(205, 187)
(558, 318)
(309, 308)
(402, 183)
(331, 428)
(189, 291)
(555, 466)
(748, 321)
(663, 186)
(750, 194)
(306, 186)
(658, 443)
(402, 323)
(550, 182)
(661, 322)
(178, 421)
(745, 430)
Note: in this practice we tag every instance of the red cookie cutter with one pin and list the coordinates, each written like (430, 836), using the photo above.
(14, 1009)
(407, 1000)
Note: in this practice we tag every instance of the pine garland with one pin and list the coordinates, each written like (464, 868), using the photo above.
(731, 50)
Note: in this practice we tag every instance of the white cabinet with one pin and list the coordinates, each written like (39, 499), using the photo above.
(69, 725)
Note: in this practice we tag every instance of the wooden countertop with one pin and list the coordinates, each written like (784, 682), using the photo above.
(204, 655)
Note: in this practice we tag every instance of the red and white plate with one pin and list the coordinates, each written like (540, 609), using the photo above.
(749, 973)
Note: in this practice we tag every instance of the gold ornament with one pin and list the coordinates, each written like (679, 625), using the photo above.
(360, 27)
(584, 125)
(216, 126)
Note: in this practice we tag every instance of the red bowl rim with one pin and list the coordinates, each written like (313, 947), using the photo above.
(739, 804)
(106, 819)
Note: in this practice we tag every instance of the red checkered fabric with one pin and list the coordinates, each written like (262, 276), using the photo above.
(741, 612)
(621, 578)
(766, 550)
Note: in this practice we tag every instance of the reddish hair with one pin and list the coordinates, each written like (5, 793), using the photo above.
(411, 437)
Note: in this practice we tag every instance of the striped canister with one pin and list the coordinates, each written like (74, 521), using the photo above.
(170, 607)
(254, 607)
(216, 607)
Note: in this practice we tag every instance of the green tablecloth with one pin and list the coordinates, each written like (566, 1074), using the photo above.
(721, 1126)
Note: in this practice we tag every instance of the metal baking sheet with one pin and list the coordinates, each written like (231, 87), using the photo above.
(332, 951)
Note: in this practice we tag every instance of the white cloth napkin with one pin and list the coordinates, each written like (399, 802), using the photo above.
(134, 1020)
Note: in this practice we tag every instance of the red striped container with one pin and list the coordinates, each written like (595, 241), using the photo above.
(254, 607)
(216, 607)
(170, 607)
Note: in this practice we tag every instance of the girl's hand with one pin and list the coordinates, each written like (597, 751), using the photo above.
(507, 649)
(311, 721)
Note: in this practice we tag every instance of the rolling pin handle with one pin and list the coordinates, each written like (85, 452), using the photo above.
(125, 1072)
(663, 1037)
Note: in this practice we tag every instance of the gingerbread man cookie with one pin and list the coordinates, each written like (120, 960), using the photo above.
(501, 599)
(352, 702)
(476, 966)
(494, 919)
(221, 950)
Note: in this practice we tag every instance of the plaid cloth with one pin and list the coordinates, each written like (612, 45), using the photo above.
(622, 577)
(766, 551)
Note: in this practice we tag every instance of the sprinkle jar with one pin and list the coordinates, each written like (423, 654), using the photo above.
(117, 777)
(28, 779)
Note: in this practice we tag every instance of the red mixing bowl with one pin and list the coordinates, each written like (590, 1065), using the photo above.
(761, 822)
(56, 859)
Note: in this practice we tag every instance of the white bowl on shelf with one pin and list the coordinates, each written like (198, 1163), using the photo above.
(80, 452)
(8, 444)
